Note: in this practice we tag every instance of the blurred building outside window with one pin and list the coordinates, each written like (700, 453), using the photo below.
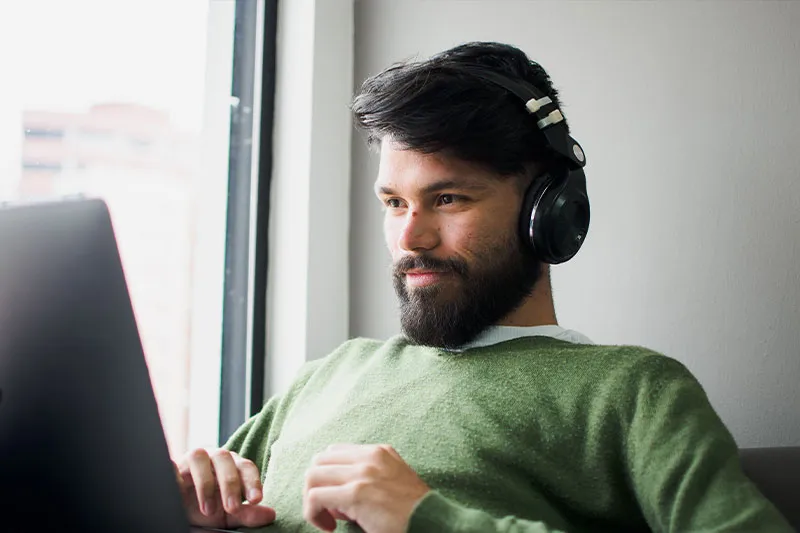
(109, 99)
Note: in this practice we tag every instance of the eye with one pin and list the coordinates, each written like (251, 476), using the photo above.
(447, 199)
(393, 203)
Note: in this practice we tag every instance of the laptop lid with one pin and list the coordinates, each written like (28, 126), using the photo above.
(81, 442)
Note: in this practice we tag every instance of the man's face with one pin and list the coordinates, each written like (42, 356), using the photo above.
(458, 263)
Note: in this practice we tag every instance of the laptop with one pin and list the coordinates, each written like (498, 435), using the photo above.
(81, 442)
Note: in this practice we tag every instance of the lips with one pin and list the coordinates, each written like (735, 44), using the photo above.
(421, 278)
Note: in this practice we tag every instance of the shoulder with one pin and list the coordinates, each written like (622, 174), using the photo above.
(631, 361)
(645, 368)
(641, 361)
(637, 370)
(648, 395)
(622, 372)
(653, 392)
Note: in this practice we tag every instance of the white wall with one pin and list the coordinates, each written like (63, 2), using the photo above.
(309, 215)
(690, 116)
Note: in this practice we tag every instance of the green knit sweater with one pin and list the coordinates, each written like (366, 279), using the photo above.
(529, 435)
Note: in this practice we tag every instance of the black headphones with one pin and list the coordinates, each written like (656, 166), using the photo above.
(555, 211)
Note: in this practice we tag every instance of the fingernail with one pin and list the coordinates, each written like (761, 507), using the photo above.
(232, 503)
(253, 494)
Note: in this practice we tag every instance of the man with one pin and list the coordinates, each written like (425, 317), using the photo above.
(484, 415)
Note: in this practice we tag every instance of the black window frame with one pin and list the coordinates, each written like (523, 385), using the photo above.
(235, 405)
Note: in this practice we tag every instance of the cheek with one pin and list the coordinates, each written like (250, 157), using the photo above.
(465, 238)
(477, 238)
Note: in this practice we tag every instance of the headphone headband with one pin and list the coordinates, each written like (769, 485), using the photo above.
(554, 219)
(549, 118)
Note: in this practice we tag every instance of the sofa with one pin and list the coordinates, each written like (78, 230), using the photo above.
(776, 472)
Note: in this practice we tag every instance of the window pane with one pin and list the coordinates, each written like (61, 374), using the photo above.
(107, 98)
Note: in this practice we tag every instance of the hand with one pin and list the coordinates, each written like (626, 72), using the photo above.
(221, 489)
(370, 485)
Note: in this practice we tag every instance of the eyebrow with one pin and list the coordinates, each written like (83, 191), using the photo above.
(441, 185)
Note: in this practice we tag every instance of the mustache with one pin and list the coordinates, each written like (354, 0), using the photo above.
(424, 262)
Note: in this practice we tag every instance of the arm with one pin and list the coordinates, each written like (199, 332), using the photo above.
(215, 483)
(251, 439)
(255, 437)
(435, 513)
(684, 464)
(373, 486)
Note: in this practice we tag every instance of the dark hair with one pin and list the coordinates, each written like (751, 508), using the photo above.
(436, 105)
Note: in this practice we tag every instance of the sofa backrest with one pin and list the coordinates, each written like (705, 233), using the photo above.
(776, 472)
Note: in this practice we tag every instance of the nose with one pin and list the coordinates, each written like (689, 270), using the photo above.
(418, 232)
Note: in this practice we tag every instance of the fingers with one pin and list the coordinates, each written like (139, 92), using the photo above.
(205, 482)
(238, 479)
(330, 483)
(221, 480)
(319, 500)
(228, 480)
(332, 474)
(250, 515)
(368, 484)
(214, 484)
(251, 479)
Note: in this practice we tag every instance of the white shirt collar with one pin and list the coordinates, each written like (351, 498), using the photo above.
(497, 334)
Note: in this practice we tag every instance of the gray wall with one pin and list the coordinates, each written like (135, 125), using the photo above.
(689, 113)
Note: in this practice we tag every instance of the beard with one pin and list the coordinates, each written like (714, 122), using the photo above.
(470, 298)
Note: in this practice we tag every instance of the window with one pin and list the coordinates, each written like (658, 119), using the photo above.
(130, 101)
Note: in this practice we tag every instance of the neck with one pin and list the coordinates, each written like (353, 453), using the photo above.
(537, 309)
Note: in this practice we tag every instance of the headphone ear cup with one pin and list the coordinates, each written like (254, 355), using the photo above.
(562, 219)
(555, 215)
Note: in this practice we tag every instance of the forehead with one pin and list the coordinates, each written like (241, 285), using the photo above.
(406, 169)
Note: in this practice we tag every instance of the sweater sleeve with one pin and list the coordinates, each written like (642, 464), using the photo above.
(253, 439)
(683, 464)
(438, 514)
(250, 440)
